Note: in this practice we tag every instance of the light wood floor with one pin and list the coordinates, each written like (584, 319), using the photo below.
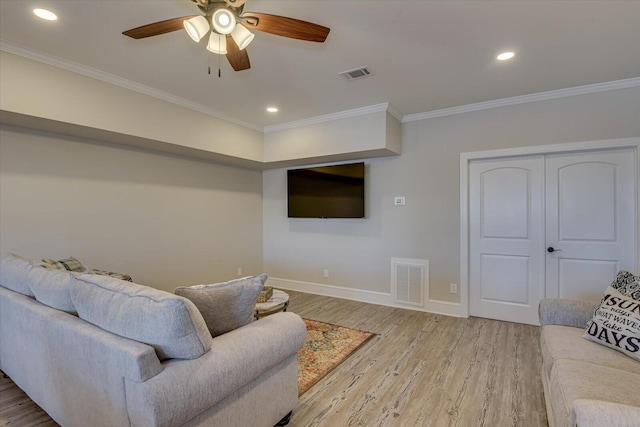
(424, 370)
(420, 370)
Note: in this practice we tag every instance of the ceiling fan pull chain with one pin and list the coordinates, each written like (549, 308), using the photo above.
(219, 48)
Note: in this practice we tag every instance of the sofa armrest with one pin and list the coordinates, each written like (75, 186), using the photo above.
(186, 388)
(566, 312)
(598, 413)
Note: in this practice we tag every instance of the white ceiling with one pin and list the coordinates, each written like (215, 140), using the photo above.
(424, 55)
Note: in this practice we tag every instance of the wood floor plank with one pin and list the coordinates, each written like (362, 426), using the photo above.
(425, 370)
(420, 369)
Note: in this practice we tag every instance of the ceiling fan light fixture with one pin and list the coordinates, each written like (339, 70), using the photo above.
(217, 44)
(197, 27)
(242, 36)
(223, 21)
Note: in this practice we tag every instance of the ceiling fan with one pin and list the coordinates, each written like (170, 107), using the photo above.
(227, 25)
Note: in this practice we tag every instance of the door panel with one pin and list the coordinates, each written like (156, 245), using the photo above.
(586, 197)
(506, 242)
(504, 279)
(505, 203)
(590, 221)
(580, 279)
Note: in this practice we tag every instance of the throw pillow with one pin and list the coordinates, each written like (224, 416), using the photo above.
(69, 264)
(72, 264)
(120, 276)
(616, 322)
(228, 305)
(627, 284)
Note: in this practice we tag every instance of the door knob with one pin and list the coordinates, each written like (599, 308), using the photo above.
(550, 249)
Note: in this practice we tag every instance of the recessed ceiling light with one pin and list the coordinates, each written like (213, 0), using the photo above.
(505, 55)
(45, 14)
(272, 109)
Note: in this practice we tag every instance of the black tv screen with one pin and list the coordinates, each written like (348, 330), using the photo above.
(326, 192)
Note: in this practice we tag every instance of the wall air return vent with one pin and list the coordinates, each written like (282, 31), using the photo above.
(409, 281)
(356, 73)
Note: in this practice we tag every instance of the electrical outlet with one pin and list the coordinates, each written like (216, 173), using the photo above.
(453, 288)
(239, 271)
(399, 201)
(325, 273)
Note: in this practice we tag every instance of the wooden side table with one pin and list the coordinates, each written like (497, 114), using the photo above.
(279, 301)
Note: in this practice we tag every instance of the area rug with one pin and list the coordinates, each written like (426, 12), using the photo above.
(326, 347)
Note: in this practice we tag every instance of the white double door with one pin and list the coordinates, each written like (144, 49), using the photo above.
(554, 226)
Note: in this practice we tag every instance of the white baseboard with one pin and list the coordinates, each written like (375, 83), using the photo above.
(380, 298)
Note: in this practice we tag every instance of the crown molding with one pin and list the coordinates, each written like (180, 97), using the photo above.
(146, 90)
(394, 113)
(74, 67)
(534, 97)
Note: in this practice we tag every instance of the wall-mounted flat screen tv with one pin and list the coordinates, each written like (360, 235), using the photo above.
(335, 191)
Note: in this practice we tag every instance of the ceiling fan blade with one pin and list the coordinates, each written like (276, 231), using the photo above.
(157, 28)
(287, 27)
(239, 59)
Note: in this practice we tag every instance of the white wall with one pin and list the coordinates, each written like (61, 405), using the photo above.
(68, 99)
(35, 89)
(165, 220)
(346, 137)
(357, 252)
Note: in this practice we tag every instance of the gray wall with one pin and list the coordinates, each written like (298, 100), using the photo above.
(167, 221)
(357, 252)
(172, 221)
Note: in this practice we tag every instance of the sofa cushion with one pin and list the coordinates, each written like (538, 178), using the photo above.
(616, 323)
(228, 305)
(51, 287)
(170, 324)
(571, 380)
(13, 273)
(597, 413)
(565, 342)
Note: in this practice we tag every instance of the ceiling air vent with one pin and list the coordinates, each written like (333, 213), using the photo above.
(356, 73)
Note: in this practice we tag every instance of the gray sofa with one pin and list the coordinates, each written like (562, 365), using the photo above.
(585, 384)
(97, 351)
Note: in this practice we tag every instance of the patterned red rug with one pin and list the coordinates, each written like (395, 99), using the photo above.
(326, 347)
